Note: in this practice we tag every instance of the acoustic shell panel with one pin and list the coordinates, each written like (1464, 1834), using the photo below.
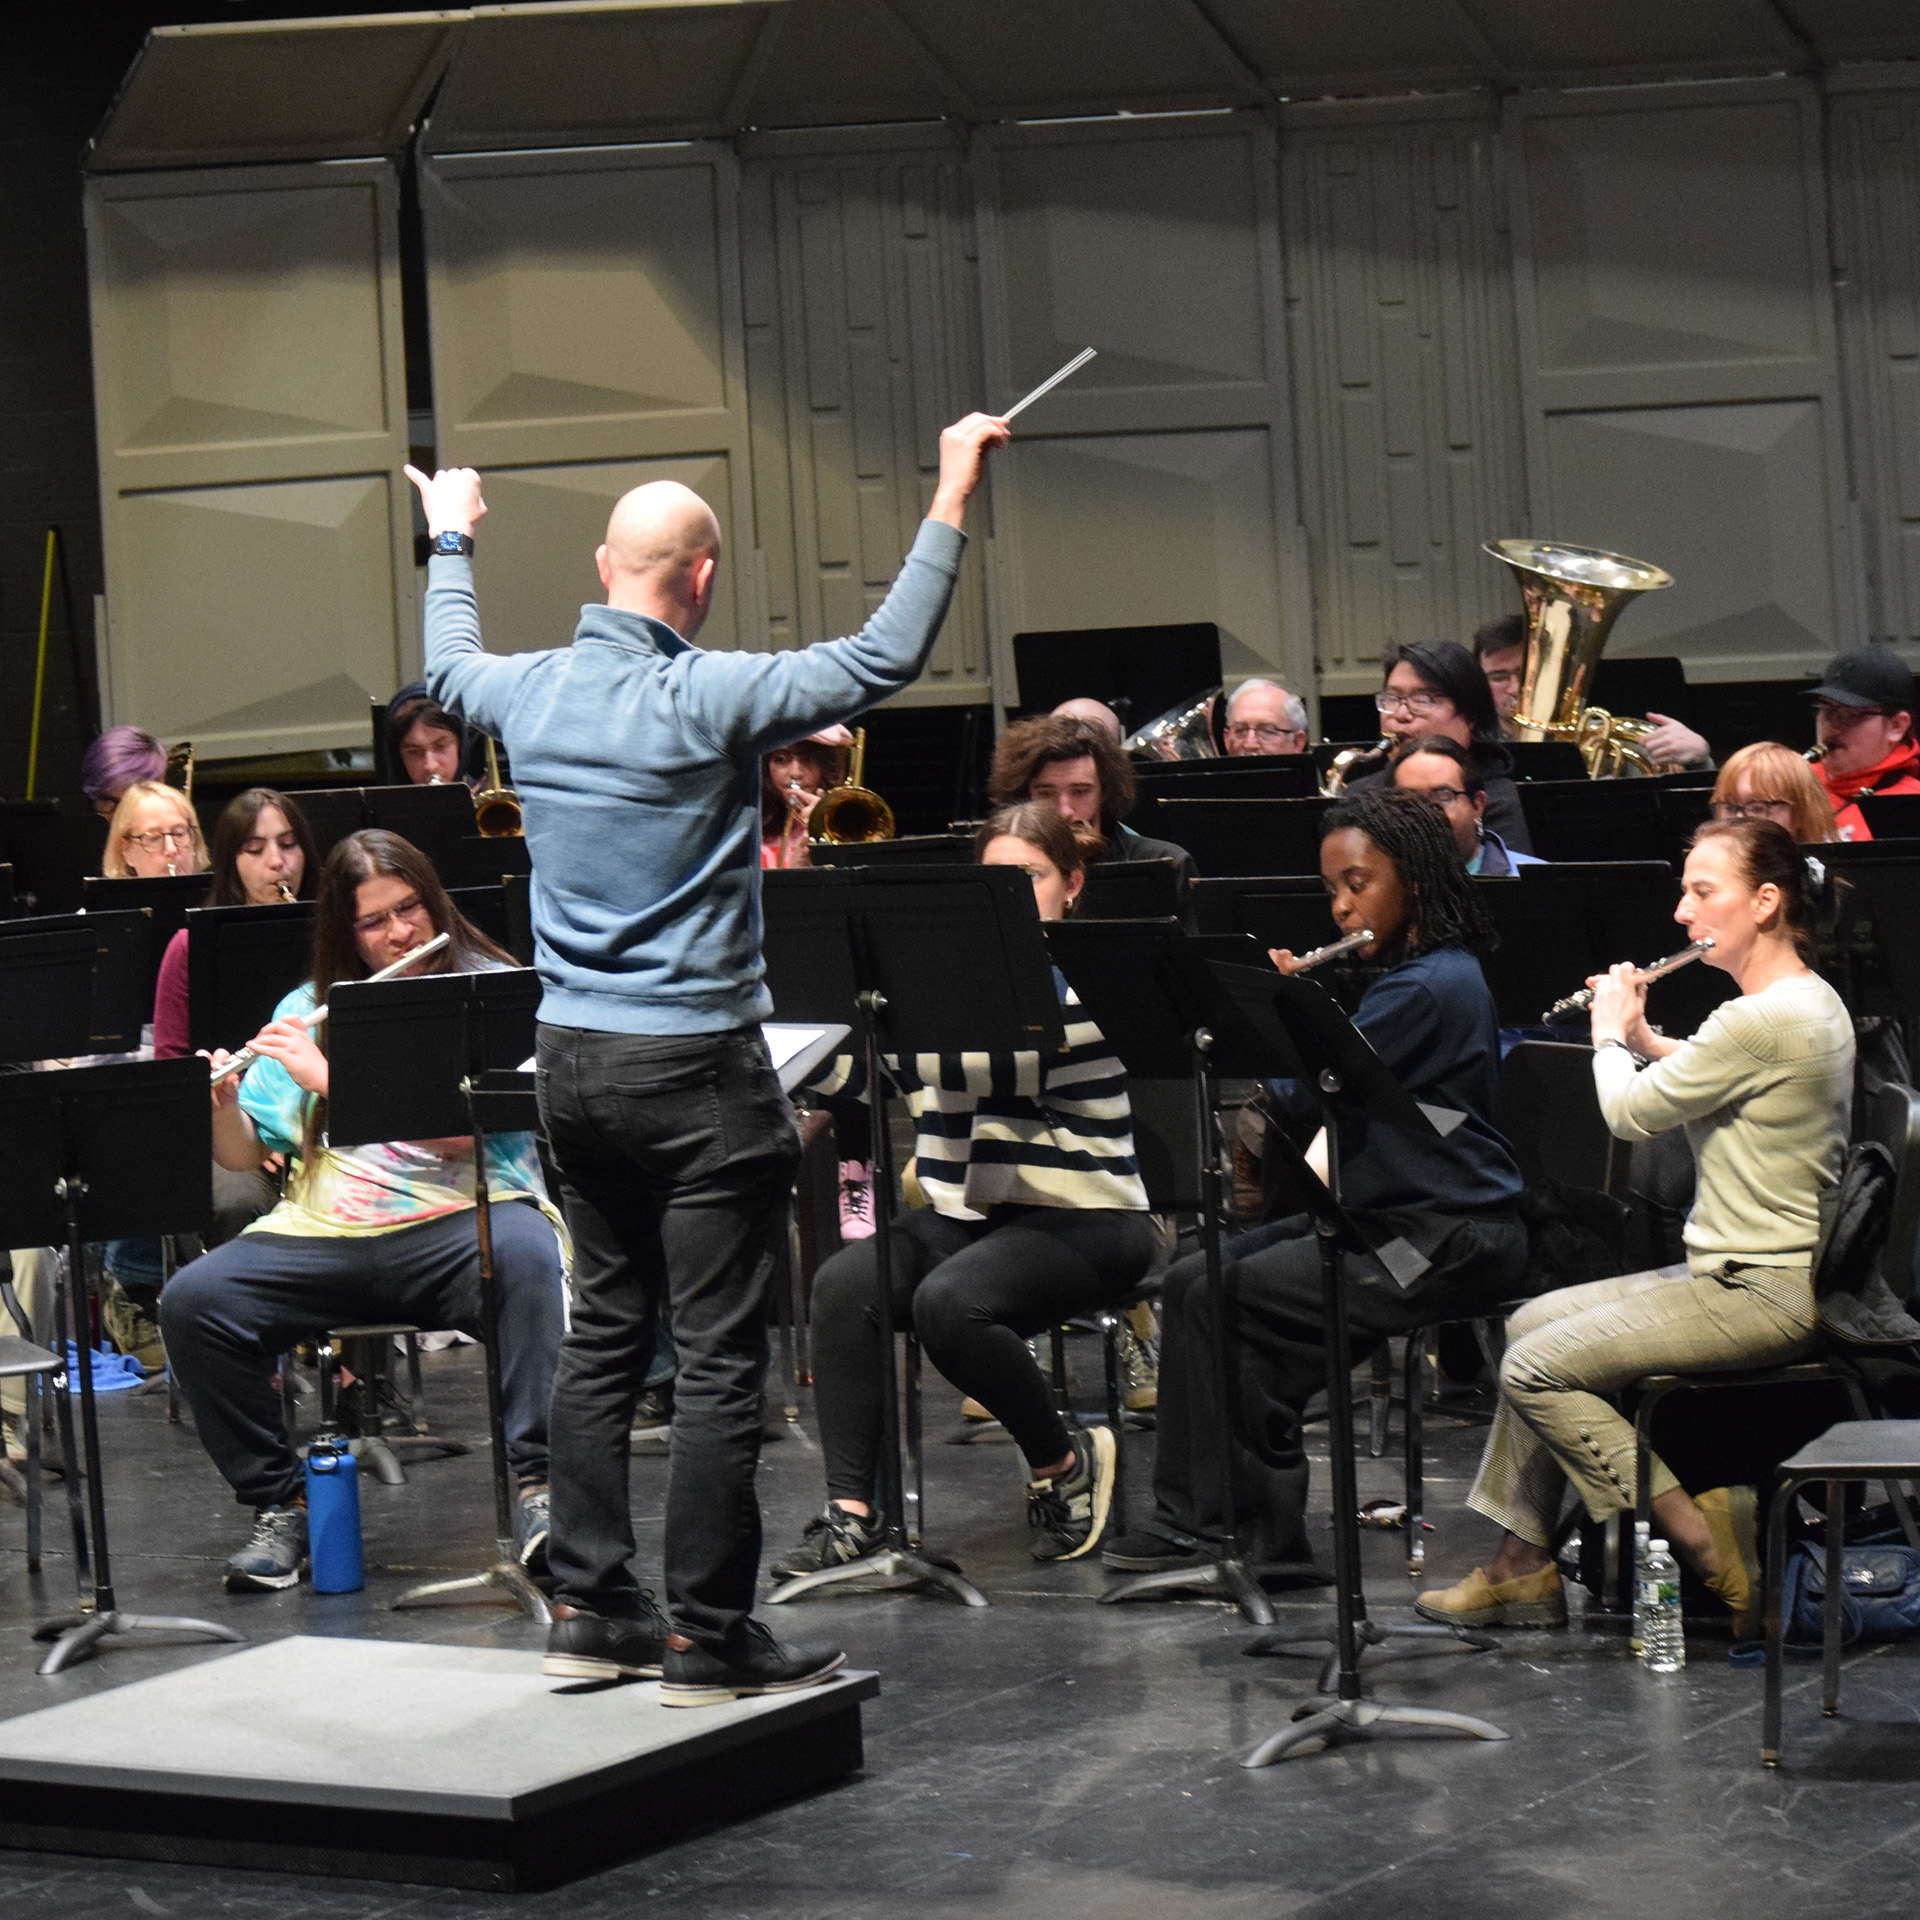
(1679, 366)
(1401, 302)
(251, 413)
(1157, 484)
(585, 314)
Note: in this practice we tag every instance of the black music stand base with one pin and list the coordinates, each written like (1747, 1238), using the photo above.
(75, 1636)
(888, 1569)
(1227, 1577)
(1371, 1633)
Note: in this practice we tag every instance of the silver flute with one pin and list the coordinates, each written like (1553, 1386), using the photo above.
(1333, 951)
(245, 1058)
(1581, 1001)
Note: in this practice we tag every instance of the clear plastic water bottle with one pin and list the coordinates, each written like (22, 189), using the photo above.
(1637, 1638)
(1658, 1590)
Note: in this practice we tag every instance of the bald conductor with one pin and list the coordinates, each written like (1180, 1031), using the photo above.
(636, 758)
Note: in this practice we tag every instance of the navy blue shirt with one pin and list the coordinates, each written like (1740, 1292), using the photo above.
(1431, 1021)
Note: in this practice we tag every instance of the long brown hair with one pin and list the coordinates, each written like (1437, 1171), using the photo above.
(235, 828)
(1046, 830)
(1028, 745)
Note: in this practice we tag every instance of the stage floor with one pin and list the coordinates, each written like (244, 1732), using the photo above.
(1049, 1756)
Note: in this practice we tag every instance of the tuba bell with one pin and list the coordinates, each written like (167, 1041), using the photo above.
(496, 809)
(1184, 732)
(1573, 595)
(851, 812)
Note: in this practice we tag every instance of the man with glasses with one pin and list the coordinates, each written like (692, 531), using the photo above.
(1863, 718)
(1450, 777)
(1263, 717)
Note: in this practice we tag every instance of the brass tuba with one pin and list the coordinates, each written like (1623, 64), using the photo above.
(1573, 596)
(850, 811)
(1181, 733)
(496, 809)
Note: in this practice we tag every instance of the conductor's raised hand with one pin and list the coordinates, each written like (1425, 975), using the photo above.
(963, 459)
(451, 498)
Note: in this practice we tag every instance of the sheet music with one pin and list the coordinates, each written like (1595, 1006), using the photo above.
(786, 1043)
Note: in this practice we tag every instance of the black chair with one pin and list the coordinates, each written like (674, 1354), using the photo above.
(22, 1360)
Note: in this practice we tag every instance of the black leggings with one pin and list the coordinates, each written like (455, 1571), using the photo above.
(977, 1290)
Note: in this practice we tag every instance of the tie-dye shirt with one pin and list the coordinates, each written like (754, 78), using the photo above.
(354, 1192)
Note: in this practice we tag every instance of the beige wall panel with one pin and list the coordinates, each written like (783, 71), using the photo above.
(862, 288)
(250, 375)
(1137, 529)
(213, 643)
(1679, 362)
(1163, 488)
(1876, 200)
(1400, 302)
(534, 567)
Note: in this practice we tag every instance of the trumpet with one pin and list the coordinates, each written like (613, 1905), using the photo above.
(496, 809)
(1346, 760)
(245, 1058)
(1581, 1001)
(1333, 950)
(850, 811)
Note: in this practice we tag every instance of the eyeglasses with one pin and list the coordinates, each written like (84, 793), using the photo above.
(162, 837)
(1749, 809)
(1261, 730)
(371, 923)
(1837, 715)
(1418, 704)
(1440, 796)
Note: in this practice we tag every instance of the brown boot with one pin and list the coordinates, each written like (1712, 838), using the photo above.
(1729, 1514)
(1534, 1600)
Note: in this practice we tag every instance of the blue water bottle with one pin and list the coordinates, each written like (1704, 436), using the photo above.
(333, 1517)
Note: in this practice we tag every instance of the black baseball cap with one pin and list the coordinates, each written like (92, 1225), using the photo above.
(1872, 676)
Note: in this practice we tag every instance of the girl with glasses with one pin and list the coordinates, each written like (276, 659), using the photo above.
(1767, 781)
(154, 833)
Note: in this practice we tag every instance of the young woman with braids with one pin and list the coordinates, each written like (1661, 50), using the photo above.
(1389, 861)
(1763, 1090)
(371, 1233)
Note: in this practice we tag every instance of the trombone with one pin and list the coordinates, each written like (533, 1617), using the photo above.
(851, 812)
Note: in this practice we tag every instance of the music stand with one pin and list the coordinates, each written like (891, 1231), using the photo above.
(241, 963)
(1331, 1055)
(104, 1153)
(166, 897)
(51, 851)
(46, 1000)
(120, 975)
(422, 1060)
(1131, 890)
(1234, 837)
(8, 908)
(924, 960)
(1147, 989)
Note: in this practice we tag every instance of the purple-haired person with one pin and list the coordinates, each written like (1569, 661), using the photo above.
(119, 758)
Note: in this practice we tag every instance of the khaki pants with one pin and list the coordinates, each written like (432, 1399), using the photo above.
(35, 1270)
(1567, 1349)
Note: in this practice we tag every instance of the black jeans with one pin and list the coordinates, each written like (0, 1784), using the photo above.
(1478, 1260)
(228, 1316)
(676, 1156)
(977, 1292)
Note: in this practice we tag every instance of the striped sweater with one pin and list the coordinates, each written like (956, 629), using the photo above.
(1020, 1130)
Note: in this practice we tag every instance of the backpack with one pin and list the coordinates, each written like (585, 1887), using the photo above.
(1851, 1295)
(1879, 1595)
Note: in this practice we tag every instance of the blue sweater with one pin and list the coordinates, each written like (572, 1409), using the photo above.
(636, 757)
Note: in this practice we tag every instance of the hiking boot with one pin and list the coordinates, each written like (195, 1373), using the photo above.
(1144, 1552)
(1729, 1514)
(856, 1200)
(275, 1555)
(757, 1663)
(1534, 1600)
(132, 1327)
(1067, 1515)
(536, 1505)
(833, 1537)
(653, 1417)
(583, 1645)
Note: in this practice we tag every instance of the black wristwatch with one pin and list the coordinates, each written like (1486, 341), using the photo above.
(451, 543)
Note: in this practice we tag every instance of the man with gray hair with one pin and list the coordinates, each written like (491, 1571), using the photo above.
(1263, 717)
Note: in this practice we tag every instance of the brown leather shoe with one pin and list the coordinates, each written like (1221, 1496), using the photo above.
(1534, 1600)
(1729, 1513)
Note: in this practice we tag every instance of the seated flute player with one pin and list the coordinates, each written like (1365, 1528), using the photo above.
(364, 1234)
(1035, 1213)
(1763, 1091)
(1389, 861)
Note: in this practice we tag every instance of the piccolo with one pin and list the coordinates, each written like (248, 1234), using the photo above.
(245, 1058)
(1581, 1001)
(1333, 951)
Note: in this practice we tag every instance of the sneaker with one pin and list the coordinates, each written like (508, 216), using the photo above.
(1067, 1515)
(132, 1328)
(582, 1645)
(275, 1555)
(856, 1200)
(696, 1676)
(833, 1537)
(536, 1506)
(1139, 1371)
(653, 1417)
(1143, 1552)
(1534, 1600)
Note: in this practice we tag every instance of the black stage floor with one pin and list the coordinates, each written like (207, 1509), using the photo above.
(1051, 1757)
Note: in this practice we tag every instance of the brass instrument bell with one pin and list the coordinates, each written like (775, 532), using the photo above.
(496, 809)
(1184, 732)
(849, 811)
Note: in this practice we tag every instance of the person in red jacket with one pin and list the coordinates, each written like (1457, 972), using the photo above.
(1863, 716)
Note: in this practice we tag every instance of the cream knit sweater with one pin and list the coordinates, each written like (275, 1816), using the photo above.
(1763, 1090)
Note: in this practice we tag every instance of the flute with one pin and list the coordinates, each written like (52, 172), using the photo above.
(245, 1058)
(1581, 1001)
(1333, 950)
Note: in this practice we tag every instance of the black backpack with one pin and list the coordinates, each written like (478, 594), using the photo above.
(1851, 1295)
